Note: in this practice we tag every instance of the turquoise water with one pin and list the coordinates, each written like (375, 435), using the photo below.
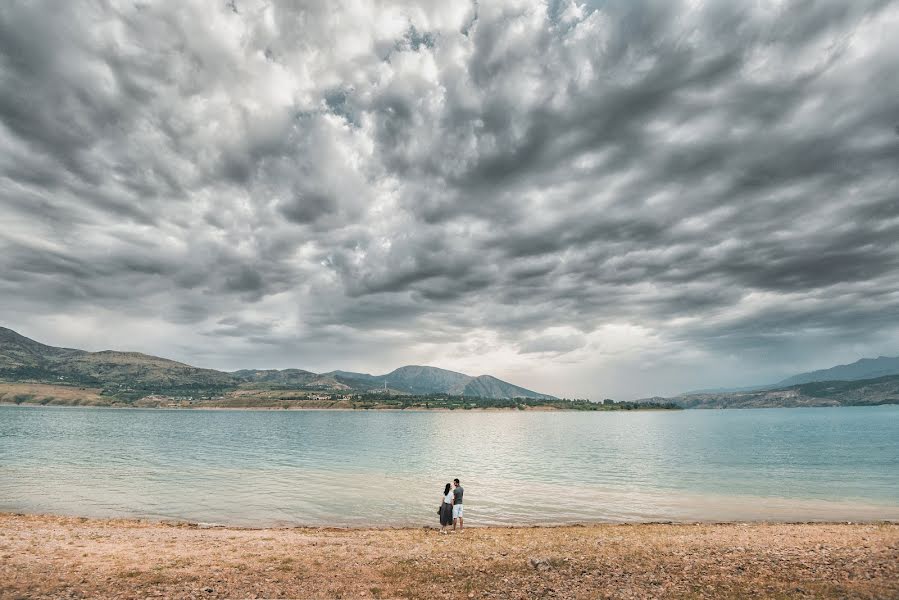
(259, 468)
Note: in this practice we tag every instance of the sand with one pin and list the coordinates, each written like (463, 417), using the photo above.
(68, 557)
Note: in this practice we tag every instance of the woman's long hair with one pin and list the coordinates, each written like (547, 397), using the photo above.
(446, 489)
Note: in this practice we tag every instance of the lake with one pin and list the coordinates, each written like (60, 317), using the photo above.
(385, 468)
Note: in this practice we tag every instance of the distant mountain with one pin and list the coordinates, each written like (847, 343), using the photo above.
(866, 368)
(859, 392)
(23, 359)
(724, 390)
(486, 386)
(351, 375)
(428, 380)
(356, 381)
(416, 379)
(18, 351)
(274, 376)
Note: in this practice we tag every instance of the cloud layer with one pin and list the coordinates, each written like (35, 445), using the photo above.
(619, 198)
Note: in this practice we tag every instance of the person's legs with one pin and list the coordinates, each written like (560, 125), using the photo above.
(457, 517)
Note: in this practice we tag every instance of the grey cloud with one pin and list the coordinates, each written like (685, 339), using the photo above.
(560, 344)
(308, 207)
(241, 328)
(401, 177)
(244, 279)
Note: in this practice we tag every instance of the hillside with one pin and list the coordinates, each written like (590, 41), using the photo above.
(416, 379)
(20, 352)
(24, 359)
(866, 368)
(275, 377)
(862, 392)
(411, 379)
(130, 376)
(427, 380)
(487, 386)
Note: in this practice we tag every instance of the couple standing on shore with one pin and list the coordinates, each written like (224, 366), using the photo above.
(450, 510)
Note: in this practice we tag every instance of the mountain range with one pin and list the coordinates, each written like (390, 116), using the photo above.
(131, 376)
(869, 381)
(23, 359)
(865, 368)
(858, 392)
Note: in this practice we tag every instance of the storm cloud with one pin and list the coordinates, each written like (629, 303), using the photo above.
(612, 198)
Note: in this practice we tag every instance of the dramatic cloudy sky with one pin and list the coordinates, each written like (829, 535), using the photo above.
(619, 198)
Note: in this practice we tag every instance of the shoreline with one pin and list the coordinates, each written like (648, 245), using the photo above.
(48, 556)
(339, 409)
(416, 526)
(191, 523)
(530, 409)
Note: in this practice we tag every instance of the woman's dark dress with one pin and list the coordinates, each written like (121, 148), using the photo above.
(446, 514)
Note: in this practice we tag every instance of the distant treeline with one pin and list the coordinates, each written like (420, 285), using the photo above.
(130, 394)
(443, 401)
(203, 394)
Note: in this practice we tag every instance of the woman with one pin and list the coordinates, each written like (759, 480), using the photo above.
(446, 508)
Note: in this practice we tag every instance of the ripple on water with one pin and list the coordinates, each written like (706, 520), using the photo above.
(365, 468)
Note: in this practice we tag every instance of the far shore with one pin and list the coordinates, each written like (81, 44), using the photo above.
(53, 557)
(331, 409)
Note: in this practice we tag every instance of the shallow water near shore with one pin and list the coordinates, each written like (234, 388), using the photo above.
(271, 468)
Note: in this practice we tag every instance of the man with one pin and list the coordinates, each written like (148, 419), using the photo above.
(457, 504)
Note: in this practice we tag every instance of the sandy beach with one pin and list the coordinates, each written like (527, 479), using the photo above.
(68, 557)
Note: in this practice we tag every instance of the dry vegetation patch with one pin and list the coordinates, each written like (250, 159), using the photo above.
(43, 393)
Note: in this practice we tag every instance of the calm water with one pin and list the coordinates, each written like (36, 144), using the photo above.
(387, 468)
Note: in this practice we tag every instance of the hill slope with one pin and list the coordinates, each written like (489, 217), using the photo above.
(23, 359)
(860, 392)
(487, 386)
(417, 379)
(18, 351)
(274, 376)
(866, 368)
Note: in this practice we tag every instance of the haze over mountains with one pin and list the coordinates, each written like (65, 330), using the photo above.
(866, 368)
(869, 381)
(133, 375)
(22, 358)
